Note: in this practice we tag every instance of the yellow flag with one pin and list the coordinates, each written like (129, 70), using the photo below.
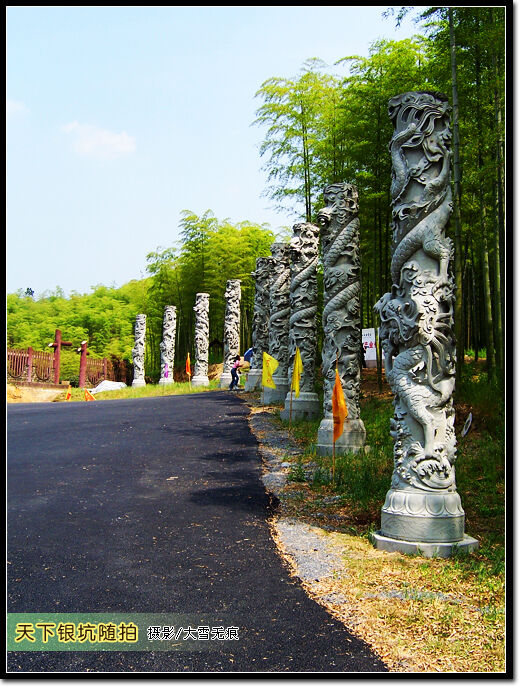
(296, 372)
(339, 408)
(269, 366)
(69, 393)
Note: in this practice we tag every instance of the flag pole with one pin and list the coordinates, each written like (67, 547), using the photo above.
(290, 411)
(333, 456)
(333, 439)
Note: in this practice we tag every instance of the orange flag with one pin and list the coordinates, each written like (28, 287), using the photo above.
(69, 393)
(88, 396)
(188, 365)
(339, 408)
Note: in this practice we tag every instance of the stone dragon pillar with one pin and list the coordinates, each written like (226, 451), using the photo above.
(279, 321)
(422, 509)
(260, 323)
(340, 246)
(231, 329)
(201, 340)
(167, 346)
(139, 351)
(303, 292)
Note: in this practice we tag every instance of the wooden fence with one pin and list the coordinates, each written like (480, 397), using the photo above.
(27, 365)
(98, 370)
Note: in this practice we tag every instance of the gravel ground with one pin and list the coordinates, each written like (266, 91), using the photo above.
(312, 556)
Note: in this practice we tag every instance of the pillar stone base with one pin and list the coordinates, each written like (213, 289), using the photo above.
(225, 381)
(138, 383)
(166, 381)
(253, 381)
(417, 516)
(428, 549)
(200, 380)
(351, 440)
(305, 407)
(277, 394)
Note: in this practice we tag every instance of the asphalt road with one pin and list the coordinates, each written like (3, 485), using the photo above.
(156, 505)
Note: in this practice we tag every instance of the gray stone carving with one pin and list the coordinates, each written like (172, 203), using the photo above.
(201, 340)
(303, 293)
(422, 508)
(340, 246)
(280, 308)
(260, 323)
(139, 351)
(231, 329)
(167, 346)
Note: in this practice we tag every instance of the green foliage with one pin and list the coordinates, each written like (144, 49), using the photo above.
(321, 128)
(364, 479)
(211, 252)
(104, 318)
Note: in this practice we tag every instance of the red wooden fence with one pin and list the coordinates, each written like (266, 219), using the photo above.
(29, 366)
(26, 365)
(98, 370)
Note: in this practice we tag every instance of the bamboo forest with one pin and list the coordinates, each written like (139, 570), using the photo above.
(318, 128)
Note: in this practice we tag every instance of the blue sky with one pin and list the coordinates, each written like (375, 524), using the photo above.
(119, 118)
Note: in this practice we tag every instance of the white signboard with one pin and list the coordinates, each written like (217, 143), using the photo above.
(368, 339)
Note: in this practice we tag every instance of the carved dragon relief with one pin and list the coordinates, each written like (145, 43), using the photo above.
(417, 314)
(303, 300)
(201, 336)
(279, 307)
(138, 352)
(260, 330)
(167, 343)
(231, 330)
(339, 224)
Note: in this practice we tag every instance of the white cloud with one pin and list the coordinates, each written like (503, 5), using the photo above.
(100, 144)
(14, 108)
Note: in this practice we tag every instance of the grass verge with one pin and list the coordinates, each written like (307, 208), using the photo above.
(78, 394)
(420, 614)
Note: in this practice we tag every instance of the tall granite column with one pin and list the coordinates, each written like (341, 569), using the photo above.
(201, 340)
(303, 293)
(340, 244)
(139, 351)
(280, 309)
(422, 509)
(231, 329)
(260, 322)
(167, 346)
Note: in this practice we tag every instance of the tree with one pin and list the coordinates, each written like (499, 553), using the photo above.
(292, 112)
(211, 252)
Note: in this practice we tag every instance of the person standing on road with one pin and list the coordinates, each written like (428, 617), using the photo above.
(234, 373)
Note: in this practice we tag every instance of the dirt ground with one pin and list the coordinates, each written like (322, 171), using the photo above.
(24, 395)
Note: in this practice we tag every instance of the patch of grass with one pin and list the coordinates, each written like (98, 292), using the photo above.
(78, 394)
(297, 472)
(363, 480)
(420, 614)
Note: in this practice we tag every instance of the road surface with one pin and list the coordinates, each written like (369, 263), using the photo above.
(156, 505)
